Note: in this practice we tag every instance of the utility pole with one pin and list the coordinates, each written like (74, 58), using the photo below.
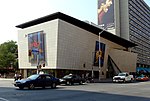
(99, 53)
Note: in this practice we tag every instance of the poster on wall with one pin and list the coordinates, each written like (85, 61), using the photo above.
(106, 14)
(99, 54)
(36, 47)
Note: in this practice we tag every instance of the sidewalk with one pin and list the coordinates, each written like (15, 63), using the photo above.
(6, 78)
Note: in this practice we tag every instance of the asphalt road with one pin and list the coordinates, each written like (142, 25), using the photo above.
(87, 92)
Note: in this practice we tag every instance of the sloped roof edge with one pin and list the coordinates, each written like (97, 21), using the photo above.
(81, 24)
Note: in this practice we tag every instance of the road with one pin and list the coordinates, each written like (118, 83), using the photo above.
(87, 92)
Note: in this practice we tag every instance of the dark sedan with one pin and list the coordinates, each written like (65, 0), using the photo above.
(71, 79)
(37, 80)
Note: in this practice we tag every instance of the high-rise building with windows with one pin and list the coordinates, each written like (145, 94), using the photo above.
(139, 30)
(130, 19)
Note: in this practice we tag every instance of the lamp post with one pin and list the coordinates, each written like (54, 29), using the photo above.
(93, 64)
(99, 53)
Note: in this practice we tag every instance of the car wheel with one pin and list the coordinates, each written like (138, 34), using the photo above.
(43, 87)
(68, 83)
(21, 87)
(87, 81)
(80, 82)
(131, 81)
(31, 86)
(53, 85)
(124, 81)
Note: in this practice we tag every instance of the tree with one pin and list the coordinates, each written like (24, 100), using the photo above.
(9, 55)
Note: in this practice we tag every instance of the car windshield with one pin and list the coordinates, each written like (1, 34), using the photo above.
(33, 77)
(67, 76)
(121, 74)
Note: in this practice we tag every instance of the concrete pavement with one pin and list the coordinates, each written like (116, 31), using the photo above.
(6, 78)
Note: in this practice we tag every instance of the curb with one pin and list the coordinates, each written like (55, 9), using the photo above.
(6, 79)
(103, 81)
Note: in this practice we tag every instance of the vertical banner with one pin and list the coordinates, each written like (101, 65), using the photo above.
(106, 14)
(99, 54)
(36, 47)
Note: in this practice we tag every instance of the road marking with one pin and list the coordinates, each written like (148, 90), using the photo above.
(3, 99)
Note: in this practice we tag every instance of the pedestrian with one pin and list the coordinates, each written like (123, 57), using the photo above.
(82, 76)
(87, 77)
(20, 76)
(16, 76)
(4, 75)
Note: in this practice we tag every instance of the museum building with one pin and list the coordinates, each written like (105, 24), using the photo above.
(61, 44)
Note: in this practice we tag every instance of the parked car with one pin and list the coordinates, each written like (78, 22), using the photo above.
(123, 77)
(142, 78)
(37, 80)
(71, 79)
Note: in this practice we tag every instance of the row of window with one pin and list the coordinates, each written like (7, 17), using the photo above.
(144, 15)
(141, 36)
(141, 31)
(143, 24)
(138, 31)
(141, 7)
(146, 60)
(142, 4)
(142, 51)
(135, 11)
(146, 49)
(143, 41)
(142, 61)
(140, 43)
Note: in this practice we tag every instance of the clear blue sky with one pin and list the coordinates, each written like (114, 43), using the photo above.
(148, 2)
(14, 12)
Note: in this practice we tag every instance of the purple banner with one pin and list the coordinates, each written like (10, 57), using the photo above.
(99, 54)
(106, 14)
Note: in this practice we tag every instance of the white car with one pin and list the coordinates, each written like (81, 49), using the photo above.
(123, 77)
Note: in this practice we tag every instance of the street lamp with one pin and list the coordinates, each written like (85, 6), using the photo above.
(99, 53)
(93, 54)
(92, 63)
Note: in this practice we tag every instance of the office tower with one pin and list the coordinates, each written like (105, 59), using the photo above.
(129, 19)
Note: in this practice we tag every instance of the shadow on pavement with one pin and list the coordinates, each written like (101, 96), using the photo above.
(61, 94)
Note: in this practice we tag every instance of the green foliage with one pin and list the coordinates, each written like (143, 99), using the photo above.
(8, 55)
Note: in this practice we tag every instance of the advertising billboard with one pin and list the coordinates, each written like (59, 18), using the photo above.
(106, 14)
(99, 54)
(36, 47)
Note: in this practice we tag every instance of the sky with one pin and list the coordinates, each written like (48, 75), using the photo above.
(15, 12)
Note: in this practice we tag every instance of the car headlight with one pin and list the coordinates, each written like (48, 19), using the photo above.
(61, 80)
